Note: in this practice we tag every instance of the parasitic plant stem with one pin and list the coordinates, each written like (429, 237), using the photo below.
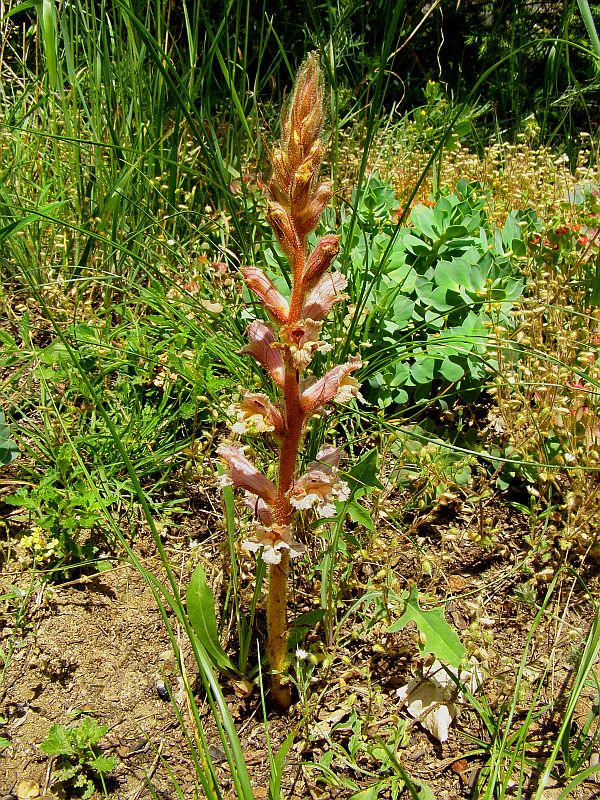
(285, 349)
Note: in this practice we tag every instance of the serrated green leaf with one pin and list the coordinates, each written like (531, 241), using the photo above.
(201, 613)
(65, 774)
(102, 764)
(89, 732)
(438, 637)
(58, 742)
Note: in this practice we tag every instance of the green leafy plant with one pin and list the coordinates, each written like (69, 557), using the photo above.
(8, 449)
(367, 768)
(79, 764)
(434, 296)
(57, 515)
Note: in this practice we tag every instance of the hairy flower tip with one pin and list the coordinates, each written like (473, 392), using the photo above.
(302, 339)
(336, 386)
(274, 302)
(262, 347)
(303, 120)
(321, 299)
(320, 259)
(320, 486)
(244, 475)
(260, 509)
(256, 414)
(279, 219)
(273, 540)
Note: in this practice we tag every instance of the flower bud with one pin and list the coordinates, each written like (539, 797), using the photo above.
(307, 220)
(320, 259)
(279, 220)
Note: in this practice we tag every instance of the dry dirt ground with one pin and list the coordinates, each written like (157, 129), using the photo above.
(98, 645)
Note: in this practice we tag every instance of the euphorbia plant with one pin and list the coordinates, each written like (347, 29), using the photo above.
(284, 347)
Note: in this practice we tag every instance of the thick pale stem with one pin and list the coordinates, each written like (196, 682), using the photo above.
(281, 693)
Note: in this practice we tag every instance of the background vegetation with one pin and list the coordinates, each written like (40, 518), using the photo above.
(463, 148)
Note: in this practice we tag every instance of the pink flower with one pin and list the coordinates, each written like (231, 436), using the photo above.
(261, 510)
(335, 386)
(271, 299)
(303, 340)
(263, 348)
(326, 293)
(244, 475)
(320, 485)
(273, 541)
(257, 414)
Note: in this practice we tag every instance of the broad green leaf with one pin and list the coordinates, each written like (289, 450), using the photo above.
(437, 636)
(422, 370)
(102, 764)
(360, 515)
(201, 613)
(424, 221)
(370, 793)
(363, 475)
(8, 449)
(450, 370)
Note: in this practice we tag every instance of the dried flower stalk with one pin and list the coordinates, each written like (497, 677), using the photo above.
(285, 348)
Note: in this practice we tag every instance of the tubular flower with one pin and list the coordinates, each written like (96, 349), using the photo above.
(320, 259)
(280, 220)
(244, 475)
(320, 485)
(337, 386)
(262, 348)
(326, 293)
(307, 220)
(257, 414)
(271, 299)
(302, 341)
(261, 510)
(273, 541)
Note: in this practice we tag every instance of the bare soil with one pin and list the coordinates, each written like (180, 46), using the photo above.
(98, 645)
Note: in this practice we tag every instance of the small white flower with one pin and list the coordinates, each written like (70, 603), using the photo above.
(273, 541)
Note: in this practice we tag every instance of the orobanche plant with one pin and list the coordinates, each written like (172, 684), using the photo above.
(285, 347)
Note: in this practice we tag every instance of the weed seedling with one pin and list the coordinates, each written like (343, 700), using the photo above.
(79, 763)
